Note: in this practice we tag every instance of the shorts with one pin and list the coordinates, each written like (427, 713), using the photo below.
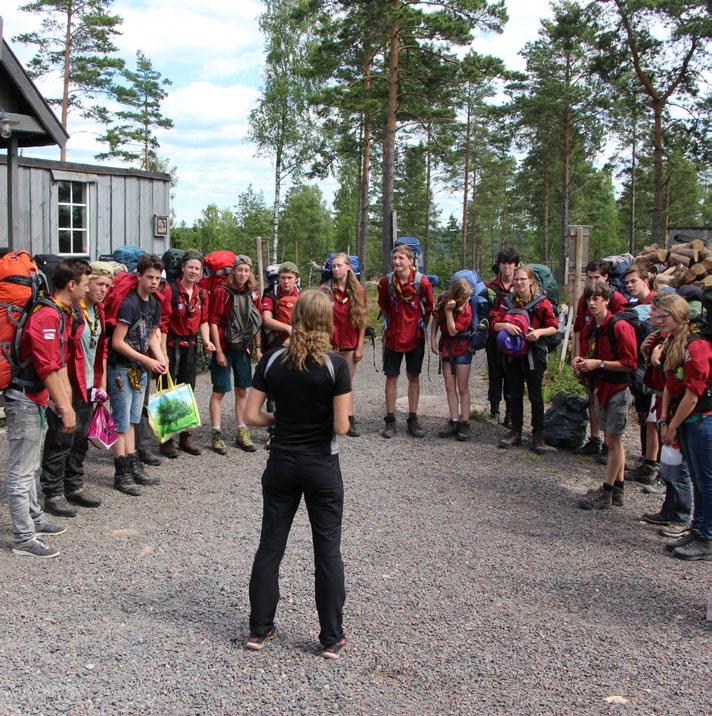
(126, 402)
(238, 368)
(413, 360)
(613, 418)
(464, 359)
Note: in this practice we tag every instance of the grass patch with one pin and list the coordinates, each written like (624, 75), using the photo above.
(481, 415)
(564, 380)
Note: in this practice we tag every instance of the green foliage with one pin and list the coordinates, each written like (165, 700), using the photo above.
(215, 229)
(556, 381)
(253, 218)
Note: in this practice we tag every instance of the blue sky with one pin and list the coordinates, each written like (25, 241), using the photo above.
(212, 51)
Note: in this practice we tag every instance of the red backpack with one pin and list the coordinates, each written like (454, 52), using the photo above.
(122, 286)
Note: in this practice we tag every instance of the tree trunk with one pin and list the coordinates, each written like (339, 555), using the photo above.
(633, 188)
(466, 183)
(66, 78)
(473, 234)
(428, 165)
(365, 177)
(545, 217)
(389, 140)
(277, 199)
(565, 180)
(658, 181)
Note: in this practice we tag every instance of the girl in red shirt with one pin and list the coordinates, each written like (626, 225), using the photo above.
(453, 316)
(348, 299)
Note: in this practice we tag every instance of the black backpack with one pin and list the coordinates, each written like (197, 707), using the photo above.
(244, 321)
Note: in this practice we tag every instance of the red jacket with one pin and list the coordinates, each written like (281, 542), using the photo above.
(449, 346)
(344, 336)
(75, 358)
(616, 303)
(406, 313)
(654, 378)
(500, 294)
(696, 370)
(541, 316)
(221, 306)
(185, 314)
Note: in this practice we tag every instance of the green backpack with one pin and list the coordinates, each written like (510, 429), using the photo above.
(547, 283)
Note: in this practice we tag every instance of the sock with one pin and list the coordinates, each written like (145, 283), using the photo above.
(390, 417)
(241, 425)
(619, 485)
(216, 428)
(652, 463)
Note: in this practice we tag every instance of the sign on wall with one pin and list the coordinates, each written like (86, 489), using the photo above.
(160, 225)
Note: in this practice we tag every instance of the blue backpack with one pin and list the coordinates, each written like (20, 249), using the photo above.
(479, 305)
(414, 244)
(326, 274)
(128, 256)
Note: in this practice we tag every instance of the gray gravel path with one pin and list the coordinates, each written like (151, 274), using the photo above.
(474, 586)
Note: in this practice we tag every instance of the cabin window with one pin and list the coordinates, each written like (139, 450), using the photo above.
(72, 223)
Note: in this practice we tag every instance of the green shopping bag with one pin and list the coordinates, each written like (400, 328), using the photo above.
(172, 410)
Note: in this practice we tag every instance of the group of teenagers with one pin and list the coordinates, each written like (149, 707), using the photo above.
(307, 345)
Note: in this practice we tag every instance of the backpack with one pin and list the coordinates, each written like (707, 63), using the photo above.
(47, 265)
(216, 265)
(244, 321)
(479, 305)
(565, 421)
(327, 275)
(128, 256)
(173, 263)
(516, 346)
(122, 286)
(283, 308)
(617, 266)
(21, 289)
(547, 283)
(638, 316)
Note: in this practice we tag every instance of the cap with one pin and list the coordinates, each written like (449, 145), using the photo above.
(242, 259)
(191, 255)
(289, 267)
(104, 268)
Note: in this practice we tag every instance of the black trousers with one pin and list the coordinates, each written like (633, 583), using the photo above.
(63, 454)
(522, 373)
(497, 376)
(285, 479)
(182, 363)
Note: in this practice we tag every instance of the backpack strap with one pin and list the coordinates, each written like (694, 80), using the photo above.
(272, 359)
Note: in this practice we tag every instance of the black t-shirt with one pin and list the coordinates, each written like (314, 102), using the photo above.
(141, 317)
(305, 403)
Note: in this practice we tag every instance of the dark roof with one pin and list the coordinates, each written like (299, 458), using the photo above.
(20, 98)
(86, 168)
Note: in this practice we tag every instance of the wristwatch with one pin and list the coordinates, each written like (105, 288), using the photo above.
(602, 365)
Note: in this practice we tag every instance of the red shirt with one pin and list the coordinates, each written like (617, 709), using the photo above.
(627, 354)
(497, 285)
(616, 303)
(541, 316)
(344, 336)
(281, 310)
(221, 306)
(48, 349)
(185, 313)
(449, 346)
(405, 311)
(696, 369)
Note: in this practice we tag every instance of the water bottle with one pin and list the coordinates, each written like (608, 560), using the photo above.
(670, 463)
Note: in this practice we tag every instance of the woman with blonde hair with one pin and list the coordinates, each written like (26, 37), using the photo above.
(348, 299)
(686, 359)
(452, 317)
(529, 365)
(312, 391)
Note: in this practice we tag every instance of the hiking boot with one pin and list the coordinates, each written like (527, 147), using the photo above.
(657, 487)
(539, 445)
(493, 417)
(243, 439)
(618, 495)
(138, 472)
(334, 651)
(507, 422)
(49, 528)
(168, 449)
(256, 642)
(83, 498)
(149, 458)
(123, 482)
(691, 536)
(218, 443)
(674, 529)
(187, 444)
(645, 473)
(35, 547)
(390, 430)
(415, 429)
(451, 428)
(463, 432)
(655, 518)
(352, 432)
(601, 499)
(592, 447)
(58, 505)
(602, 457)
(513, 439)
(700, 548)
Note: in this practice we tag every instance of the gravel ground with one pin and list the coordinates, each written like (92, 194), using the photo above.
(474, 586)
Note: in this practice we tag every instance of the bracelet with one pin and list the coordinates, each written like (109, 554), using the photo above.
(661, 422)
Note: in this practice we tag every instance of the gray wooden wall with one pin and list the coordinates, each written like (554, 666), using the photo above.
(120, 209)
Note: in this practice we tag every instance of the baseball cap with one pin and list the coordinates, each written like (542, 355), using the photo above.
(289, 267)
(242, 259)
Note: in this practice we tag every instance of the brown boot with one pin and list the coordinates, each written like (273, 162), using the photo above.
(513, 439)
(538, 444)
(168, 449)
(186, 444)
(600, 499)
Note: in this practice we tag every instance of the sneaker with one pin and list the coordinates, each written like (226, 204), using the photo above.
(674, 529)
(49, 528)
(218, 443)
(243, 440)
(602, 457)
(334, 651)
(35, 547)
(655, 518)
(256, 642)
(592, 447)
(657, 487)
(601, 499)
(691, 536)
(700, 548)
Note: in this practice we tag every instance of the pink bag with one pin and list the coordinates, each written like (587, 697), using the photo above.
(102, 431)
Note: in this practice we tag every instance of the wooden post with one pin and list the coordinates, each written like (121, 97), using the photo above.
(260, 266)
(578, 278)
(13, 195)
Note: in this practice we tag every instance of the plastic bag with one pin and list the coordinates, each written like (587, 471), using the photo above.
(102, 431)
(172, 410)
(565, 421)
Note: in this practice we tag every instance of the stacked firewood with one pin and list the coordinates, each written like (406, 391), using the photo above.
(681, 264)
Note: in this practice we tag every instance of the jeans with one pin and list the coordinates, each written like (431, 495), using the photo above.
(520, 373)
(126, 401)
(696, 446)
(64, 453)
(497, 376)
(678, 496)
(25, 432)
(286, 477)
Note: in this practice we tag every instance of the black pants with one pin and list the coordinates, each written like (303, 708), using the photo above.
(63, 454)
(497, 376)
(521, 372)
(285, 479)
(182, 362)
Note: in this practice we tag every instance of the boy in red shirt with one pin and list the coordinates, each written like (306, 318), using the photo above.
(42, 382)
(607, 355)
(406, 298)
(277, 308)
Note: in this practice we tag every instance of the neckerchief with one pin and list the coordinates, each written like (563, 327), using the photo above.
(399, 290)
(93, 325)
(337, 298)
(192, 303)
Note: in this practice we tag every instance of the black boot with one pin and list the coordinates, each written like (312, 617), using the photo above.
(138, 472)
(390, 430)
(463, 432)
(352, 433)
(147, 457)
(123, 482)
(450, 429)
(415, 429)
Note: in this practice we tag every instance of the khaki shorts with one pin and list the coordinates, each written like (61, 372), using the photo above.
(613, 418)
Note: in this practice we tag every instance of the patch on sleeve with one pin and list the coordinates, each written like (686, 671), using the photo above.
(49, 334)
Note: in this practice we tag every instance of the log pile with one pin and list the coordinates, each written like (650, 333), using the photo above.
(682, 264)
